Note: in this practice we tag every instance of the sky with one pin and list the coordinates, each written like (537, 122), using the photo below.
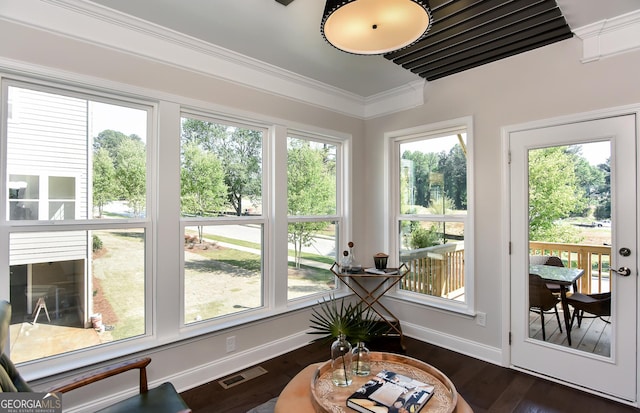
(433, 145)
(597, 152)
(119, 118)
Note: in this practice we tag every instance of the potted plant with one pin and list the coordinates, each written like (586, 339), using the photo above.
(332, 317)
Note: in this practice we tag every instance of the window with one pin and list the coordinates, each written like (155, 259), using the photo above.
(54, 198)
(312, 177)
(75, 202)
(221, 204)
(434, 212)
(224, 231)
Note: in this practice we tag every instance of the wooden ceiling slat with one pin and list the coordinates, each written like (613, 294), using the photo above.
(496, 54)
(514, 32)
(486, 50)
(487, 12)
(509, 24)
(470, 33)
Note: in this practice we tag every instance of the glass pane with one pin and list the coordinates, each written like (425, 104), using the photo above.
(433, 176)
(119, 136)
(221, 169)
(311, 177)
(569, 241)
(312, 250)
(24, 194)
(24, 187)
(75, 289)
(53, 134)
(62, 210)
(61, 187)
(222, 270)
(19, 210)
(434, 254)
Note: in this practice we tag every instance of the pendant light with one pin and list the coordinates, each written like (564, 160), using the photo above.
(371, 27)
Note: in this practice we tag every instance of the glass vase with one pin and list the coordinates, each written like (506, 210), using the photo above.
(355, 265)
(360, 360)
(345, 263)
(341, 362)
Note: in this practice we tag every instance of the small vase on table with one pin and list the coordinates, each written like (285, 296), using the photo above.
(341, 362)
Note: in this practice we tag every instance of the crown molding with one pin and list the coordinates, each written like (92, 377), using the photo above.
(610, 37)
(95, 24)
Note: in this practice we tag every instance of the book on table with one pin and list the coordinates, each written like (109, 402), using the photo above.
(390, 392)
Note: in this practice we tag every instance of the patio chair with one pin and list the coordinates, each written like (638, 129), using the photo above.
(542, 301)
(163, 398)
(598, 305)
(547, 260)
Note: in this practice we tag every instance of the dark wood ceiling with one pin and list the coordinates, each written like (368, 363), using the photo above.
(470, 33)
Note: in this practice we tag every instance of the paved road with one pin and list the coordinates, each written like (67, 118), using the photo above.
(251, 233)
(321, 245)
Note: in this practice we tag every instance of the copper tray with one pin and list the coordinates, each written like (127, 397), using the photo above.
(328, 398)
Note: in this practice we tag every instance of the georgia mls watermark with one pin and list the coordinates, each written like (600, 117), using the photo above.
(30, 402)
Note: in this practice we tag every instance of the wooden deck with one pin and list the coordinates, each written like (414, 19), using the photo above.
(593, 336)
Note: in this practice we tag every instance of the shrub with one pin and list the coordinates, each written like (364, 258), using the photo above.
(422, 237)
(97, 243)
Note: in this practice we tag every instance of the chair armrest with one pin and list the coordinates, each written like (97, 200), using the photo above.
(106, 372)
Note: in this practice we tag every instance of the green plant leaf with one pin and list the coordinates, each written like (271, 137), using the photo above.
(332, 317)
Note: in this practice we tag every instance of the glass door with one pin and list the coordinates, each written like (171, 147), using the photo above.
(573, 240)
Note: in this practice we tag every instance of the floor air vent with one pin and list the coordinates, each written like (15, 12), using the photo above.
(242, 377)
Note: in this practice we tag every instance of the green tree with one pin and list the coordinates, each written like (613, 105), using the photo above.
(454, 168)
(311, 191)
(553, 195)
(110, 140)
(131, 174)
(422, 165)
(202, 187)
(603, 206)
(104, 179)
(590, 179)
(240, 152)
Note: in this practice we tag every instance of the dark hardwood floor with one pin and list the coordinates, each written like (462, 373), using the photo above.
(485, 386)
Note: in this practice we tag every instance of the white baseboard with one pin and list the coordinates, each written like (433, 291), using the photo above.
(216, 369)
(459, 345)
(190, 378)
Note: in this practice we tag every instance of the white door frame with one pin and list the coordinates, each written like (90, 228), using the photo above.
(506, 227)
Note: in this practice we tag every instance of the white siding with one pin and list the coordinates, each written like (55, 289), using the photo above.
(39, 247)
(47, 136)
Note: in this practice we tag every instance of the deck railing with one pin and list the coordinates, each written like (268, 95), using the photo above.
(595, 260)
(439, 270)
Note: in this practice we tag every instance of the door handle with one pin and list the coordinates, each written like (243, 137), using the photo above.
(624, 271)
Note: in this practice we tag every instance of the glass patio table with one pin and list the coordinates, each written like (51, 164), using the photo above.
(564, 277)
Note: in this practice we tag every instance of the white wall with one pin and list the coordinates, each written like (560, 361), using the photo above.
(543, 83)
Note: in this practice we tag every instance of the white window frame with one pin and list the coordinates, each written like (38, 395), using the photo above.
(392, 142)
(342, 232)
(227, 320)
(164, 317)
(90, 355)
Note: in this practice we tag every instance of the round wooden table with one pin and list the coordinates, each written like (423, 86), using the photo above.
(328, 398)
